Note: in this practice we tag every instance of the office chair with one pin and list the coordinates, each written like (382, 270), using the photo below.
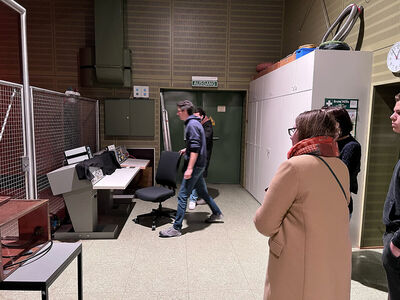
(166, 177)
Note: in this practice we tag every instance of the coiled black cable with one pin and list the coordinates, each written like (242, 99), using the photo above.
(37, 255)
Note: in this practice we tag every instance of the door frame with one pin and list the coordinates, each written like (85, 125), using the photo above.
(376, 88)
(244, 120)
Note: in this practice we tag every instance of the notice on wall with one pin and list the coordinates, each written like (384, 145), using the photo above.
(351, 105)
(221, 108)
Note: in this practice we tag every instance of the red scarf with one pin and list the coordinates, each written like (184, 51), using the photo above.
(320, 145)
(205, 119)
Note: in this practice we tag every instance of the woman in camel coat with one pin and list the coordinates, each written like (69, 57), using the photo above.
(305, 215)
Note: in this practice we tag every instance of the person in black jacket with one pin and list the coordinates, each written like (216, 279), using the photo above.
(349, 147)
(391, 219)
(208, 130)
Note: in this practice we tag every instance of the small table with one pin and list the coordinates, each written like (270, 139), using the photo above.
(38, 275)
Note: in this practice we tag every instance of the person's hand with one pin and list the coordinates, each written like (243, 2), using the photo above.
(182, 151)
(395, 250)
(188, 173)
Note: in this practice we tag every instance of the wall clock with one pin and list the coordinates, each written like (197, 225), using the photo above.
(393, 58)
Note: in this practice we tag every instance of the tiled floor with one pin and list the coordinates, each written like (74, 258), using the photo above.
(209, 261)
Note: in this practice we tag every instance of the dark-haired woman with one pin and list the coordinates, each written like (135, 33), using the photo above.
(305, 215)
(350, 149)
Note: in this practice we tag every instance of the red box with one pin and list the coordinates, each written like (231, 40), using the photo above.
(31, 217)
(4, 199)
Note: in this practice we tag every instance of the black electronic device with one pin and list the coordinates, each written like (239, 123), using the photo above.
(121, 154)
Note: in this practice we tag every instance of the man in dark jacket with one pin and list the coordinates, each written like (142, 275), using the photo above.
(196, 157)
(391, 219)
(208, 130)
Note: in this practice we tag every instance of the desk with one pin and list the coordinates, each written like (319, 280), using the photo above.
(118, 180)
(134, 162)
(38, 275)
(82, 200)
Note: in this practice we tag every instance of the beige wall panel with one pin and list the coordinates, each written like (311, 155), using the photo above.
(305, 24)
(237, 86)
(40, 32)
(255, 35)
(148, 35)
(96, 93)
(380, 71)
(73, 29)
(65, 82)
(381, 25)
(301, 28)
(124, 93)
(9, 46)
(45, 82)
(199, 39)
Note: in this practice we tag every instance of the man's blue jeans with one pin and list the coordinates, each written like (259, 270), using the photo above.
(197, 182)
(193, 196)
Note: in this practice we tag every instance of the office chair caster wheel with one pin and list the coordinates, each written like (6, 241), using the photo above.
(153, 227)
(135, 220)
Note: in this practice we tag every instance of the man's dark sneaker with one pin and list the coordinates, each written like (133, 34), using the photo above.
(214, 218)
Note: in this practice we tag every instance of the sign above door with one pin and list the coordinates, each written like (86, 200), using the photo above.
(202, 81)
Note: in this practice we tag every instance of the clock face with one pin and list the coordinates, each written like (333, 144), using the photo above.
(393, 58)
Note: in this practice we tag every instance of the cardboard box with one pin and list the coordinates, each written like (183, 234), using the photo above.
(287, 59)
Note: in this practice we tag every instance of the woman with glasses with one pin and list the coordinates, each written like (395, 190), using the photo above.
(305, 215)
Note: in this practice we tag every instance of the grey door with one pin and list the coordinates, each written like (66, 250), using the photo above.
(225, 108)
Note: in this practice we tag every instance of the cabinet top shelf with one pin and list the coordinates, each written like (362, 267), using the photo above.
(15, 209)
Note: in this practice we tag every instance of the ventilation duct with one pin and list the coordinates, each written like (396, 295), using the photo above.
(109, 64)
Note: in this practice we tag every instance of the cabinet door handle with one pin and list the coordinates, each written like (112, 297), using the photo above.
(127, 117)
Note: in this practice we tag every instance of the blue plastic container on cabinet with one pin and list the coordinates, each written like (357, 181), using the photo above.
(303, 51)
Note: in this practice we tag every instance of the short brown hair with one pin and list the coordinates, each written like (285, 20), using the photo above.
(317, 122)
(397, 97)
(186, 105)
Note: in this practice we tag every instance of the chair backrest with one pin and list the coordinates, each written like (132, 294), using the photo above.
(168, 168)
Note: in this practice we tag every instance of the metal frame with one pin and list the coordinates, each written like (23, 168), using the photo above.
(165, 125)
(27, 102)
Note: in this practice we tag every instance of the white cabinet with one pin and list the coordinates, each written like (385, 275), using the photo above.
(277, 98)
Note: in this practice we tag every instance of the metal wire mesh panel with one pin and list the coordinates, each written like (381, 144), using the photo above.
(61, 123)
(12, 178)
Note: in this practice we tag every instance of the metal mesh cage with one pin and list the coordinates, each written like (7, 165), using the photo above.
(61, 123)
(12, 177)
